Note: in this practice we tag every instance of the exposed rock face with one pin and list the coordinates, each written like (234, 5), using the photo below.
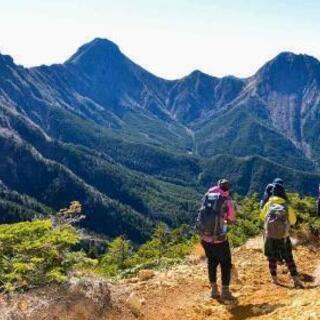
(290, 85)
(146, 274)
(134, 304)
(85, 299)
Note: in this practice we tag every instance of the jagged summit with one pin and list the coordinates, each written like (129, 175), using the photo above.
(94, 51)
(197, 73)
(290, 72)
(6, 59)
(291, 56)
(289, 61)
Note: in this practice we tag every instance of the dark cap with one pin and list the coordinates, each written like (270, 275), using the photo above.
(224, 184)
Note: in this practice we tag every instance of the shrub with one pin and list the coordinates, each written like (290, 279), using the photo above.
(248, 222)
(162, 250)
(308, 224)
(38, 252)
(119, 251)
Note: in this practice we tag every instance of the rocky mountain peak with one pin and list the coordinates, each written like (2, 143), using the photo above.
(6, 60)
(98, 51)
(290, 72)
(199, 75)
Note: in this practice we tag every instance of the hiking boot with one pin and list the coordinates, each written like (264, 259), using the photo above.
(215, 291)
(226, 294)
(274, 280)
(297, 282)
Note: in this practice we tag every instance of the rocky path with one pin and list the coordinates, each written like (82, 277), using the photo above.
(183, 292)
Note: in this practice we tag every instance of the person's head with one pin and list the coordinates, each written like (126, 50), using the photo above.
(279, 191)
(278, 181)
(269, 188)
(224, 185)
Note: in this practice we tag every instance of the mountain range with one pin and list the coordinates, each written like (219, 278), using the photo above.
(137, 149)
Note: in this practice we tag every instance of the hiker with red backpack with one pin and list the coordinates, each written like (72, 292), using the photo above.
(278, 216)
(216, 212)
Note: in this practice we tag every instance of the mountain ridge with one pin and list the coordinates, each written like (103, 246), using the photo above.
(140, 142)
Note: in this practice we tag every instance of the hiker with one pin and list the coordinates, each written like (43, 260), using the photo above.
(268, 191)
(216, 212)
(278, 217)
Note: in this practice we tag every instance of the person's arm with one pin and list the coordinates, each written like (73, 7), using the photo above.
(203, 199)
(318, 202)
(292, 216)
(264, 211)
(265, 199)
(231, 213)
(266, 195)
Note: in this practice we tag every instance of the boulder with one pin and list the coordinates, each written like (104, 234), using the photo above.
(146, 274)
(134, 304)
(78, 299)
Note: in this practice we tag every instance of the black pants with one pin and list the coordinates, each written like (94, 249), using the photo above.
(279, 250)
(289, 262)
(218, 253)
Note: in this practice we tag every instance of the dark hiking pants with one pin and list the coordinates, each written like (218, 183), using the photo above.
(218, 254)
(289, 262)
(279, 250)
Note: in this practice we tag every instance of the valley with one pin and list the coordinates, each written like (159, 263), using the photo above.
(136, 149)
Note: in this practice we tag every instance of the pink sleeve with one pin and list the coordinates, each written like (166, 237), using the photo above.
(231, 214)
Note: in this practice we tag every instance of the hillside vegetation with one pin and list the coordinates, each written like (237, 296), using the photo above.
(164, 277)
(47, 250)
(138, 150)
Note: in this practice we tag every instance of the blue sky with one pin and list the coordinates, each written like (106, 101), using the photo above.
(168, 38)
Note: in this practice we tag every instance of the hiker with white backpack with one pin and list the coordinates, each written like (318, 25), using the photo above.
(278, 216)
(216, 212)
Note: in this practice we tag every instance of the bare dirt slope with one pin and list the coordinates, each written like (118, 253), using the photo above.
(183, 293)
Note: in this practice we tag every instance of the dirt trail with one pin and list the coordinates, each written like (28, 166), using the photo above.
(183, 292)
